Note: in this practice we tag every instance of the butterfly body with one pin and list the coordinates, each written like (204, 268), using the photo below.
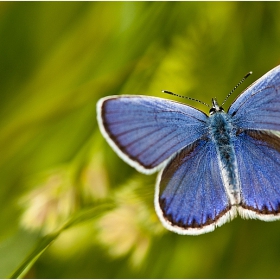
(211, 167)
(223, 133)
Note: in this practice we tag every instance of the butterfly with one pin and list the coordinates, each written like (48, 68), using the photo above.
(211, 168)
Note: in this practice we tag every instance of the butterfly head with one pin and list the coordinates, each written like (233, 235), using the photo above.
(215, 107)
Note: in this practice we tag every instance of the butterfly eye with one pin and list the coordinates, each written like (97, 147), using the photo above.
(214, 110)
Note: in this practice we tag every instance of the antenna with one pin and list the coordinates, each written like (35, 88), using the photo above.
(169, 92)
(245, 77)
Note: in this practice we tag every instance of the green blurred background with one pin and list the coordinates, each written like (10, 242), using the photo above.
(70, 208)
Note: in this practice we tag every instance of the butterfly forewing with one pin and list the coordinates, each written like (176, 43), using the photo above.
(258, 107)
(146, 131)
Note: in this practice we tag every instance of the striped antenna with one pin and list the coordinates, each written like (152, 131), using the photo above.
(245, 77)
(181, 96)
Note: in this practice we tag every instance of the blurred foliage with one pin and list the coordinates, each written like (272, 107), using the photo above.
(70, 208)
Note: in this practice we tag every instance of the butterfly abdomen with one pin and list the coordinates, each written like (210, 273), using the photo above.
(222, 133)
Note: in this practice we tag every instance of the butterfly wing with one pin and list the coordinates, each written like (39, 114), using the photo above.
(258, 158)
(190, 196)
(258, 107)
(256, 112)
(146, 131)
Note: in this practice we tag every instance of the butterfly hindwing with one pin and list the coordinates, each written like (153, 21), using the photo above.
(258, 159)
(146, 131)
(190, 196)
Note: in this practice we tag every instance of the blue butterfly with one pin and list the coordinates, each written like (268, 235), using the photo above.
(211, 167)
